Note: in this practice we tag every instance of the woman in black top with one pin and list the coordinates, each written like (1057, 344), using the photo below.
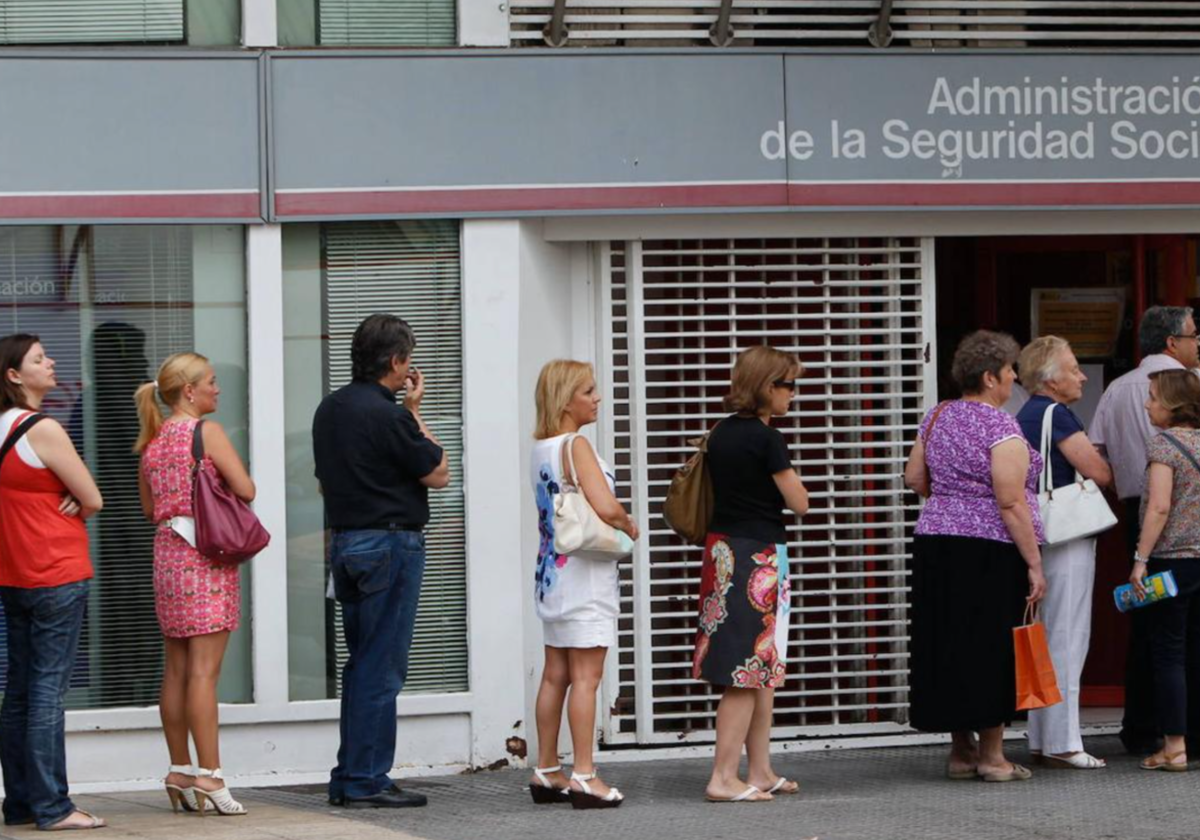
(744, 589)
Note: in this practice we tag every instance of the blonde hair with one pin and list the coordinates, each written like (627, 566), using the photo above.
(1038, 362)
(754, 371)
(556, 387)
(175, 373)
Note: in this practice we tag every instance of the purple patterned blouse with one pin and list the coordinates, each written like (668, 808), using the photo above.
(959, 456)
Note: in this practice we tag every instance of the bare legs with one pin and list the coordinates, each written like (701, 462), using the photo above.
(743, 719)
(188, 704)
(991, 751)
(552, 693)
(581, 669)
(964, 752)
(172, 708)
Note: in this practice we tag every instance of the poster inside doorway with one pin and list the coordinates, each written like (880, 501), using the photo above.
(1090, 319)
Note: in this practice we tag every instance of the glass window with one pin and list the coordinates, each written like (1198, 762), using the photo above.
(334, 276)
(110, 303)
(367, 23)
(197, 22)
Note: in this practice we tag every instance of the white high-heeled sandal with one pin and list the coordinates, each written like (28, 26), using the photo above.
(184, 797)
(221, 799)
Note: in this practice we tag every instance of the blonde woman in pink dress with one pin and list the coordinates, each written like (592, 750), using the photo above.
(198, 600)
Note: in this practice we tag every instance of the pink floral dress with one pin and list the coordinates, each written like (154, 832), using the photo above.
(193, 595)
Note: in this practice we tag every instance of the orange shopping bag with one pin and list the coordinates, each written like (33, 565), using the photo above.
(1037, 687)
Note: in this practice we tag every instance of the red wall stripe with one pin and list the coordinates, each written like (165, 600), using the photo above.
(132, 206)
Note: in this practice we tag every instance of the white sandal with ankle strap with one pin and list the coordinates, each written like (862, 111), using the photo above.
(184, 797)
(545, 793)
(220, 799)
(585, 799)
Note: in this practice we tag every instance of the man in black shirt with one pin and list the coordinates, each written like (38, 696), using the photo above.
(376, 461)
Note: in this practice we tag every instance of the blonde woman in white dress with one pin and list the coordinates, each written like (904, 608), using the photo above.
(576, 598)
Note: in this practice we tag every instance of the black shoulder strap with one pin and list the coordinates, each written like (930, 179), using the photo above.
(1171, 439)
(198, 443)
(19, 432)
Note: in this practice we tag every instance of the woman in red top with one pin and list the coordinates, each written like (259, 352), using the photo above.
(45, 494)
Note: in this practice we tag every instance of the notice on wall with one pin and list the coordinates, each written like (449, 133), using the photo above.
(1090, 319)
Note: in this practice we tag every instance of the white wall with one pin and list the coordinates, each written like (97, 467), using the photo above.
(494, 485)
(483, 23)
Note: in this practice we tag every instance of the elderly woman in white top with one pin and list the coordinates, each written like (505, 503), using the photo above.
(1050, 372)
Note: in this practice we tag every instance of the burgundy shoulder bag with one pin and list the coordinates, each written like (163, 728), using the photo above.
(226, 528)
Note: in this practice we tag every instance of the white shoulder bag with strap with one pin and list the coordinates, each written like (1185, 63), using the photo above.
(578, 531)
(1075, 510)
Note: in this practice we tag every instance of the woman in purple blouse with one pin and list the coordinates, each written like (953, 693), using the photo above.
(976, 560)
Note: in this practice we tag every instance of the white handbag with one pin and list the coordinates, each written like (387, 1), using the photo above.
(578, 531)
(1075, 510)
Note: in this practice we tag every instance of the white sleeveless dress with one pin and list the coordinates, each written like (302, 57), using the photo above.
(576, 598)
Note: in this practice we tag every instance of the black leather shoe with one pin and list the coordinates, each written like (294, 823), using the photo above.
(393, 798)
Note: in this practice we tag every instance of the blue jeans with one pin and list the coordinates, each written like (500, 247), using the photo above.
(377, 580)
(43, 636)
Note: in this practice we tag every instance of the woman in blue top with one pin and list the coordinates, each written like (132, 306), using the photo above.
(1051, 374)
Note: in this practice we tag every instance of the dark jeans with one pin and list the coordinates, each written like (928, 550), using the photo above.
(1139, 725)
(377, 580)
(1175, 631)
(43, 636)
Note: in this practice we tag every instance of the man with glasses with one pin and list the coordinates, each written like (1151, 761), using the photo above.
(1120, 429)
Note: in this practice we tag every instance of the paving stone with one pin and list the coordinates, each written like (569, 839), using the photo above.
(875, 794)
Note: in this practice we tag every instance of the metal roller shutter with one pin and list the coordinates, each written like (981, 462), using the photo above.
(91, 21)
(859, 313)
(413, 270)
(920, 23)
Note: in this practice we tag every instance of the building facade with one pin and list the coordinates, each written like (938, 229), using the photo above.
(647, 187)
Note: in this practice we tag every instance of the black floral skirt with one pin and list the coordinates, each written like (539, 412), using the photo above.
(745, 598)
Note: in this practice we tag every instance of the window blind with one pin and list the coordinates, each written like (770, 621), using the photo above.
(411, 269)
(399, 23)
(91, 21)
(108, 303)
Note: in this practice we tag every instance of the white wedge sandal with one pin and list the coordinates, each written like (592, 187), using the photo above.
(181, 797)
(586, 800)
(220, 799)
(543, 792)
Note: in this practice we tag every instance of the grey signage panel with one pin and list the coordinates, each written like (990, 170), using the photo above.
(130, 137)
(556, 120)
(992, 117)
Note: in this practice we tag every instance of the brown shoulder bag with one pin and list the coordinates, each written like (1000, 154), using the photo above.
(688, 507)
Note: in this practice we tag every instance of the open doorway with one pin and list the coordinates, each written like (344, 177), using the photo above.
(1003, 283)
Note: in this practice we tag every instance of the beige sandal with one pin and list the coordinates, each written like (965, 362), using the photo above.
(63, 825)
(750, 794)
(1017, 774)
(785, 786)
(1166, 761)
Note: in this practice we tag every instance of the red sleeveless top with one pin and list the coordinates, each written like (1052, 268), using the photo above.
(38, 545)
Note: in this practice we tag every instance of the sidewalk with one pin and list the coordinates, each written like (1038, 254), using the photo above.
(877, 794)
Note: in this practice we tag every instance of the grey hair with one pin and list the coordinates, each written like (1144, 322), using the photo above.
(1039, 361)
(983, 351)
(1158, 324)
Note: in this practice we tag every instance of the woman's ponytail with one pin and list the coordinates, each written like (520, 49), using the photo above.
(149, 415)
(175, 373)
